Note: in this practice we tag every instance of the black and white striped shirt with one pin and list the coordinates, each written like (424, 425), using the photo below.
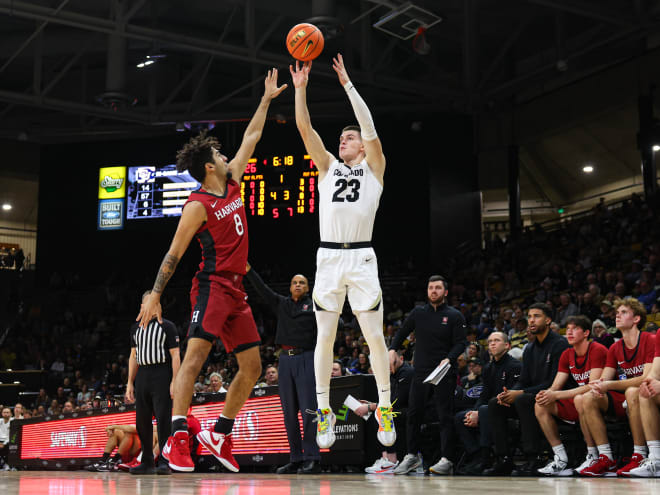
(154, 342)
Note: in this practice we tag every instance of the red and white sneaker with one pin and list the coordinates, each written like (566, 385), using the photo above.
(635, 461)
(126, 466)
(604, 467)
(177, 452)
(220, 446)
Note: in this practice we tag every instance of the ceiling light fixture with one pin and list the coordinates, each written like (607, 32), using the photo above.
(145, 63)
(6, 207)
(587, 169)
(656, 147)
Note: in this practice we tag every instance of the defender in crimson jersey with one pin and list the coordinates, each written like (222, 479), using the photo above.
(215, 216)
(578, 366)
(629, 360)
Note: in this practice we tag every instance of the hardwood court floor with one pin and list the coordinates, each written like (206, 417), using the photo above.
(83, 483)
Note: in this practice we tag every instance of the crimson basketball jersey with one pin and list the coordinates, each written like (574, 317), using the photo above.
(223, 237)
(630, 362)
(657, 345)
(580, 367)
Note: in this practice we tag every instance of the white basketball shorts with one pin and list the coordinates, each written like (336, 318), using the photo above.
(342, 271)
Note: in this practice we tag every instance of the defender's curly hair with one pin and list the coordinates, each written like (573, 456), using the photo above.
(195, 154)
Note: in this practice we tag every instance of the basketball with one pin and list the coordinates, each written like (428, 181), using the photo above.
(305, 42)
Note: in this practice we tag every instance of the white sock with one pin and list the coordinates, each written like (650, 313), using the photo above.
(371, 323)
(641, 450)
(592, 451)
(326, 322)
(654, 448)
(174, 418)
(605, 449)
(560, 451)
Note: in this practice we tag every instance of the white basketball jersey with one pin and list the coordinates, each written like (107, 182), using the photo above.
(349, 199)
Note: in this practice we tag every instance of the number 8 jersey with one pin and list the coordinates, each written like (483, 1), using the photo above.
(349, 199)
(223, 237)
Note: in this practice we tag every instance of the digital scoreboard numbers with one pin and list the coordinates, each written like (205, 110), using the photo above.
(157, 192)
(280, 186)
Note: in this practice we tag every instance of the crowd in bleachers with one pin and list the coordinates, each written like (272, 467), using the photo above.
(578, 268)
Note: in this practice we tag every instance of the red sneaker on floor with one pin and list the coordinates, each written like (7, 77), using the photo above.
(125, 466)
(635, 461)
(220, 446)
(604, 467)
(177, 452)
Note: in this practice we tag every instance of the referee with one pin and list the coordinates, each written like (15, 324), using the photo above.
(153, 365)
(296, 333)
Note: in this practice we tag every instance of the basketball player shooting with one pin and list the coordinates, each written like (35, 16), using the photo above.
(215, 215)
(349, 191)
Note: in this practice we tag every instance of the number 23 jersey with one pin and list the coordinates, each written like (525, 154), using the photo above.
(223, 237)
(349, 198)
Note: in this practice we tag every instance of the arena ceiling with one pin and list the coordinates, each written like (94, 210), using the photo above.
(68, 68)
(68, 72)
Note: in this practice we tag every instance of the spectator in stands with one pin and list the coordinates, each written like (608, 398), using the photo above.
(215, 384)
(5, 421)
(600, 334)
(472, 425)
(540, 363)
(647, 295)
(338, 369)
(565, 310)
(362, 366)
(462, 366)
(559, 400)
(608, 313)
(271, 376)
(589, 308)
(18, 411)
(630, 360)
(68, 407)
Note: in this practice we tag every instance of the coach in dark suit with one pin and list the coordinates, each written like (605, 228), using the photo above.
(296, 333)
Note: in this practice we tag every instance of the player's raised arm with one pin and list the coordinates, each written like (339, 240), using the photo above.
(372, 145)
(194, 214)
(313, 144)
(252, 134)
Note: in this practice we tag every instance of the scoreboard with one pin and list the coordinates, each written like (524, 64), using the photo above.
(156, 192)
(280, 186)
(273, 186)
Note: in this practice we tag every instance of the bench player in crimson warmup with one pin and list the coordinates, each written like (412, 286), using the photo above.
(649, 407)
(349, 192)
(215, 215)
(580, 365)
(630, 360)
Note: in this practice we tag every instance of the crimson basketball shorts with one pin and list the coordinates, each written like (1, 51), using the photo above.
(615, 404)
(219, 310)
(566, 410)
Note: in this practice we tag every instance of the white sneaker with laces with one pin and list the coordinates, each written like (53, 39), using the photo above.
(381, 466)
(409, 463)
(443, 466)
(648, 468)
(588, 462)
(325, 428)
(556, 467)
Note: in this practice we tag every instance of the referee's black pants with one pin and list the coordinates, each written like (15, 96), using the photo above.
(440, 396)
(152, 398)
(531, 438)
(297, 388)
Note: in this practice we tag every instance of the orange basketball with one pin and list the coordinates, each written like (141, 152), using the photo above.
(305, 42)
